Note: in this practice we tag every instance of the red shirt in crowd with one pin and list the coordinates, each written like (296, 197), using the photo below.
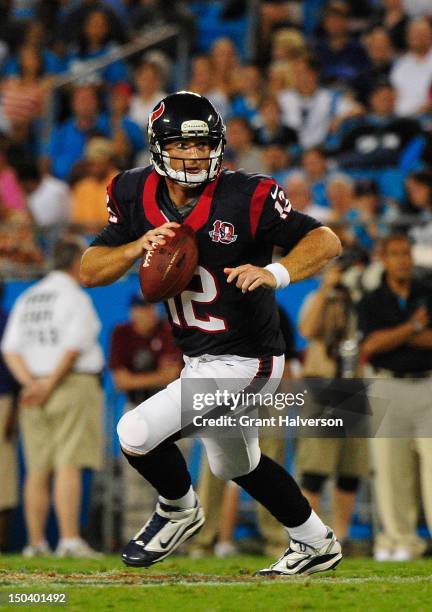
(139, 354)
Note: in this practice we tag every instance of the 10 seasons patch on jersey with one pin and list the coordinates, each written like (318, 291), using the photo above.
(167, 270)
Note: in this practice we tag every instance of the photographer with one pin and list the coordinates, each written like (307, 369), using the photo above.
(328, 320)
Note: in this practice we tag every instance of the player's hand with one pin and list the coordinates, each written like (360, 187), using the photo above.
(250, 277)
(152, 239)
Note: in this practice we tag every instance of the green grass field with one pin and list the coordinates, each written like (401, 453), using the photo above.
(213, 584)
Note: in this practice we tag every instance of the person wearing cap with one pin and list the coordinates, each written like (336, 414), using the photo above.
(89, 194)
(143, 359)
(50, 345)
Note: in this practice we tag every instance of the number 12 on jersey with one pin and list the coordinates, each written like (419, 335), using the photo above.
(182, 309)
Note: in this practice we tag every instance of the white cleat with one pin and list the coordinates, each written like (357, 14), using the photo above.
(301, 558)
(165, 530)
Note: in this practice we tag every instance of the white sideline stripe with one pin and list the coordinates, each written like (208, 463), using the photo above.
(290, 580)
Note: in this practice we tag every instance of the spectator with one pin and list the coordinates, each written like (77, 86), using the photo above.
(12, 202)
(340, 194)
(224, 64)
(327, 320)
(309, 108)
(248, 97)
(395, 320)
(276, 162)
(8, 450)
(341, 57)
(143, 359)
(48, 198)
(50, 346)
(419, 202)
(279, 78)
(315, 167)
(68, 140)
(17, 245)
(412, 72)
(381, 57)
(270, 129)
(95, 41)
(299, 194)
(394, 19)
(128, 136)
(380, 139)
(240, 144)
(89, 194)
(287, 44)
(273, 13)
(150, 89)
(419, 193)
(202, 82)
(72, 21)
(25, 94)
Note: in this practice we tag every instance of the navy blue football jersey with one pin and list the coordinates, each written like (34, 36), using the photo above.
(238, 218)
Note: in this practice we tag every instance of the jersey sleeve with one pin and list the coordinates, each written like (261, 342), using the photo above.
(118, 229)
(274, 220)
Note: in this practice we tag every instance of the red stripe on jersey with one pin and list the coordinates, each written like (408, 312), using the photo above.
(110, 190)
(151, 208)
(257, 203)
(200, 213)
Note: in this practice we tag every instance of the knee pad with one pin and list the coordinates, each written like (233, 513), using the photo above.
(132, 431)
(349, 484)
(228, 468)
(313, 482)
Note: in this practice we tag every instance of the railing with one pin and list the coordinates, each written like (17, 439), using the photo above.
(140, 43)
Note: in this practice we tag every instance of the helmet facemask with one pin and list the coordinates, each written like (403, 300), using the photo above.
(161, 160)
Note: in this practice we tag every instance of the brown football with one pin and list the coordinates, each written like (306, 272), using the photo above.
(167, 270)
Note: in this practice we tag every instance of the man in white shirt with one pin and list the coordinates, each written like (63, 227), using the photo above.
(48, 198)
(412, 72)
(50, 345)
(308, 108)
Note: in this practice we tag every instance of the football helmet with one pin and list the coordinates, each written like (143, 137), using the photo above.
(184, 115)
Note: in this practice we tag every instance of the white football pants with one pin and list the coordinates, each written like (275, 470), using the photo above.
(157, 419)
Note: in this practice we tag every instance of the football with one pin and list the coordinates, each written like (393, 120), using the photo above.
(168, 269)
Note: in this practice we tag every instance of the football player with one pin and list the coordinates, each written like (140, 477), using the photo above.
(225, 322)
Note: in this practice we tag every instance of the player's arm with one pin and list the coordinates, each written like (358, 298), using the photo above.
(116, 248)
(310, 245)
(312, 253)
(102, 265)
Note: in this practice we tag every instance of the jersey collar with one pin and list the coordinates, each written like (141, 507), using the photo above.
(197, 217)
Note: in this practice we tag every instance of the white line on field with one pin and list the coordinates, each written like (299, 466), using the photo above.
(290, 580)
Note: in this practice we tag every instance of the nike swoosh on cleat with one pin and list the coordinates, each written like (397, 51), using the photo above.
(165, 545)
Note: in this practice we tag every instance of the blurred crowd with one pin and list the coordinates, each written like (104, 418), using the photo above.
(333, 99)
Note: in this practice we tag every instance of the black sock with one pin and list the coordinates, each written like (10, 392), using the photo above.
(165, 469)
(273, 487)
